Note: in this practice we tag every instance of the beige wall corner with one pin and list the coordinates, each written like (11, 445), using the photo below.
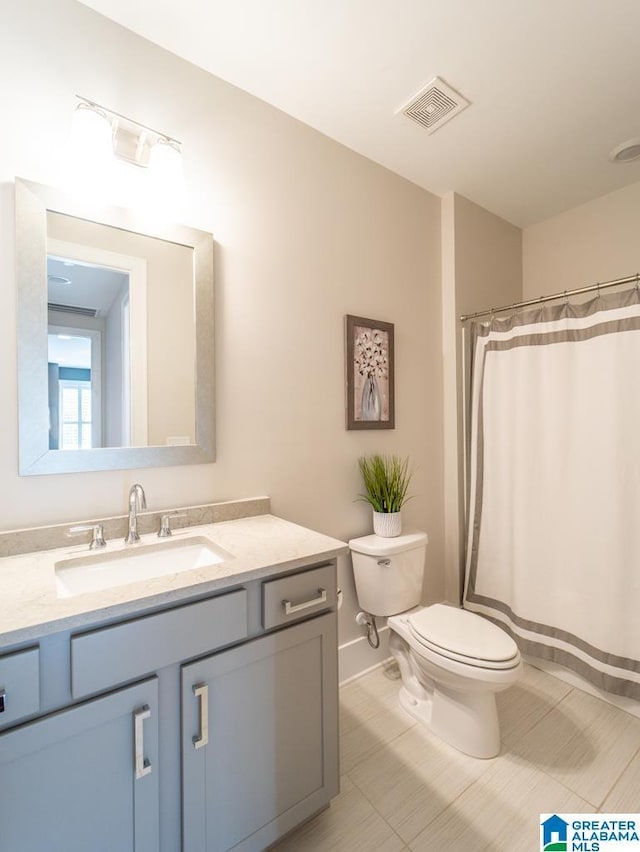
(481, 268)
(452, 415)
(597, 241)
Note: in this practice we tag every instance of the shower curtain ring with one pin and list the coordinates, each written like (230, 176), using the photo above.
(566, 298)
(598, 290)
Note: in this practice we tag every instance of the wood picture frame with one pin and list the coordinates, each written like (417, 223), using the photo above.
(370, 373)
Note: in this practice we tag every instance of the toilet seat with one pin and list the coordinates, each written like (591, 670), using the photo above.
(462, 636)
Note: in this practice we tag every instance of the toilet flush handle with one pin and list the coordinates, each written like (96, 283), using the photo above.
(384, 562)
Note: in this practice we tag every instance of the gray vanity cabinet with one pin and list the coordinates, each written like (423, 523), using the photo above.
(84, 778)
(226, 705)
(259, 736)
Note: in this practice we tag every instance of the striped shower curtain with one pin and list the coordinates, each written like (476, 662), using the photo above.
(553, 550)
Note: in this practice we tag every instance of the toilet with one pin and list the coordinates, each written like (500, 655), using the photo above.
(452, 662)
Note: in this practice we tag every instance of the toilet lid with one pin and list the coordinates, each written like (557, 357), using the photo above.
(463, 636)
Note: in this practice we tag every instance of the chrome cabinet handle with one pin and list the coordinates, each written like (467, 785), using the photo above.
(143, 764)
(201, 691)
(290, 608)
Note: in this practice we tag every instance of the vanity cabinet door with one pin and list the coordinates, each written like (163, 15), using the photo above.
(71, 781)
(260, 738)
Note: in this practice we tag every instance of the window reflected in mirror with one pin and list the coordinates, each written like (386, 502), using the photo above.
(70, 388)
(88, 317)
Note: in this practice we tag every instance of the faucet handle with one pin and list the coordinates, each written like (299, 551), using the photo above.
(165, 523)
(98, 534)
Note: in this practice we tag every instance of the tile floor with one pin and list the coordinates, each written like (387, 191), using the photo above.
(402, 789)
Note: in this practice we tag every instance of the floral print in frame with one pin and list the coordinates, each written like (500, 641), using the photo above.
(370, 385)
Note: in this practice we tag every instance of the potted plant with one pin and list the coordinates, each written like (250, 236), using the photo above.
(386, 482)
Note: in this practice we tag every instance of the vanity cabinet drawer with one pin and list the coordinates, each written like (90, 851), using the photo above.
(113, 655)
(298, 596)
(19, 685)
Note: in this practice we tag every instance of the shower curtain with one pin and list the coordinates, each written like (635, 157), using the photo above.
(553, 551)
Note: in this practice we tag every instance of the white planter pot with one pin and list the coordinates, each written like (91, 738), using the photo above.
(387, 524)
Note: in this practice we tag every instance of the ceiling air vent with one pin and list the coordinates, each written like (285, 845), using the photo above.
(434, 105)
(78, 310)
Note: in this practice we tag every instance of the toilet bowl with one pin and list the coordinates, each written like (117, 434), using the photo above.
(452, 662)
(447, 685)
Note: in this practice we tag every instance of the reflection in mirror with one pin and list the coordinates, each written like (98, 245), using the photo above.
(87, 309)
(120, 374)
(137, 293)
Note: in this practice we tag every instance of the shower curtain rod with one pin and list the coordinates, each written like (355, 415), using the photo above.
(565, 294)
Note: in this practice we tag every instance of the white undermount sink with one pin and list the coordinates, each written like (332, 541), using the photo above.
(95, 572)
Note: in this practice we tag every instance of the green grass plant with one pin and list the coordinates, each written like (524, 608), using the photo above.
(386, 481)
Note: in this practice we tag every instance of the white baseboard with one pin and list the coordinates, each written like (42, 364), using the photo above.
(357, 657)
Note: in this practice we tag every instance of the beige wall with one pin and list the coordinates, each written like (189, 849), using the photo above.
(597, 241)
(488, 258)
(306, 231)
(482, 268)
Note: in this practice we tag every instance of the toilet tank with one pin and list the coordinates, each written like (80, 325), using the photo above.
(388, 571)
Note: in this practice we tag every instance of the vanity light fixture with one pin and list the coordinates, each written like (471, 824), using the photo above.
(99, 135)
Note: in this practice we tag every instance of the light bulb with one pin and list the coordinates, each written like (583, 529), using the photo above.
(90, 150)
(165, 161)
(164, 191)
(166, 181)
(91, 135)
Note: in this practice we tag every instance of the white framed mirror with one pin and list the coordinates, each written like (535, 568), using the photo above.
(115, 338)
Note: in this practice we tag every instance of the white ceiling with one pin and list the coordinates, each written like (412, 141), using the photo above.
(83, 285)
(554, 85)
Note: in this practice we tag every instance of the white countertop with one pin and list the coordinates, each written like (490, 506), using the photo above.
(262, 545)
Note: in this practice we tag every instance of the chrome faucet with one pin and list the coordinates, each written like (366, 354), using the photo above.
(137, 501)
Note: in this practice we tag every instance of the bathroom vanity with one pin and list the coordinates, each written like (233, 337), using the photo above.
(193, 711)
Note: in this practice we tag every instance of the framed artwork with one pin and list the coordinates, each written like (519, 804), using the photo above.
(370, 386)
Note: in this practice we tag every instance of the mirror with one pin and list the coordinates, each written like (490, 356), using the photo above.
(115, 338)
